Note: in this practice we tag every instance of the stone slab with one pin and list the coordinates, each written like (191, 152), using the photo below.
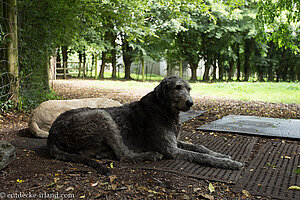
(186, 116)
(253, 125)
(7, 153)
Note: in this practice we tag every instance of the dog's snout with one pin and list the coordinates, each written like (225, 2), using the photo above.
(189, 103)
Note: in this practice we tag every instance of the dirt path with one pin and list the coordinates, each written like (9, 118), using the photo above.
(34, 172)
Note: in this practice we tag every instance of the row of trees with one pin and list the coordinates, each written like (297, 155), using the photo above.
(236, 36)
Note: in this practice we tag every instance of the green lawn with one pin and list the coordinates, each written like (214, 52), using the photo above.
(245, 91)
(267, 92)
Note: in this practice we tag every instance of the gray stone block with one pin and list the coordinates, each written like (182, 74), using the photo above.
(7, 153)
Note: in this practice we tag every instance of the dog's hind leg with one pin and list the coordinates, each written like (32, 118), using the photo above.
(142, 156)
(124, 154)
(62, 155)
(200, 149)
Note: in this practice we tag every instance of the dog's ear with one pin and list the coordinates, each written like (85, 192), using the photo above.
(160, 91)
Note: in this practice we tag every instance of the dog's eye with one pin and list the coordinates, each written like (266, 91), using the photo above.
(178, 87)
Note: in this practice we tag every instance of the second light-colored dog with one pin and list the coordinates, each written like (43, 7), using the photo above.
(44, 115)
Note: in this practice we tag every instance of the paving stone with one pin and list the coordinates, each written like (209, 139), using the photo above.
(186, 116)
(7, 153)
(272, 127)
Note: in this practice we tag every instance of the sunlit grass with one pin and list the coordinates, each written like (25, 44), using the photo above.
(267, 92)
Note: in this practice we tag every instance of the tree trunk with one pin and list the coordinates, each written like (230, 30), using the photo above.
(238, 64)
(248, 50)
(168, 65)
(283, 65)
(65, 60)
(231, 65)
(180, 68)
(207, 68)
(84, 62)
(214, 74)
(96, 66)
(221, 67)
(102, 68)
(80, 61)
(11, 54)
(193, 67)
(270, 63)
(259, 67)
(143, 70)
(127, 58)
(114, 56)
(58, 62)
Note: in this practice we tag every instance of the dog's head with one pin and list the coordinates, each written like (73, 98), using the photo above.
(174, 92)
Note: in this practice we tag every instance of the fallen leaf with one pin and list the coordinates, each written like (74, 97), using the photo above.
(294, 188)
(69, 189)
(113, 186)
(59, 186)
(211, 188)
(82, 197)
(20, 181)
(112, 178)
(246, 193)
(111, 165)
(287, 157)
(55, 179)
(206, 196)
(269, 164)
(51, 184)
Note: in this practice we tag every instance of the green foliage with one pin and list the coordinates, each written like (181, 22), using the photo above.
(32, 98)
(260, 35)
(6, 106)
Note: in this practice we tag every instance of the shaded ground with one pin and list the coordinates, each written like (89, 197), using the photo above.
(35, 173)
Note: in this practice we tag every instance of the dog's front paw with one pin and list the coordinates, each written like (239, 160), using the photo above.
(232, 164)
(155, 156)
(128, 158)
(219, 155)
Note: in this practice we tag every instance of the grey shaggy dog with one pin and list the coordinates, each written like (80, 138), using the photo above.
(143, 130)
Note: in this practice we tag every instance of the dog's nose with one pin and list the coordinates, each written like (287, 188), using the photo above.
(189, 103)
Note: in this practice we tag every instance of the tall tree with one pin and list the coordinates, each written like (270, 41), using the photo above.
(11, 46)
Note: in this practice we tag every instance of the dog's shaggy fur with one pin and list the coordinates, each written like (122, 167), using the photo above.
(143, 130)
(44, 115)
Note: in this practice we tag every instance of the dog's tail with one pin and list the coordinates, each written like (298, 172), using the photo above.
(65, 156)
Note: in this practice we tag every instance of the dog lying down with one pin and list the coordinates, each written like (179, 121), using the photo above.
(143, 130)
(44, 115)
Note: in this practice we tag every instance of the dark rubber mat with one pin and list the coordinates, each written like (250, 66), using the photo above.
(270, 173)
(186, 116)
(238, 148)
(274, 127)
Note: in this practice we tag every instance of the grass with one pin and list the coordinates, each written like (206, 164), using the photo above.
(266, 92)
(245, 91)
